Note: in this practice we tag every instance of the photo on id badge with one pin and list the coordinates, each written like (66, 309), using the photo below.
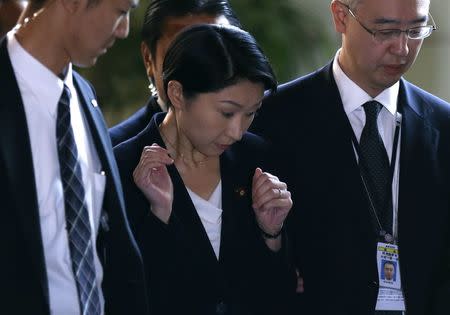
(388, 266)
(388, 271)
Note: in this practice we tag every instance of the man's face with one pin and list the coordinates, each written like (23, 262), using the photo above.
(92, 30)
(172, 26)
(375, 66)
(388, 271)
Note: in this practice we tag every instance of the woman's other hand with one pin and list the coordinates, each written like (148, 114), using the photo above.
(152, 178)
(271, 203)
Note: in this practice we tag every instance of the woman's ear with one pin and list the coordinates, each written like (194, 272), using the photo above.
(175, 94)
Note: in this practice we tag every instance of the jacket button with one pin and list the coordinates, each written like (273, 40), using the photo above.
(221, 308)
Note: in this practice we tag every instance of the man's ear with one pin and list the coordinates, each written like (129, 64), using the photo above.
(340, 15)
(175, 94)
(147, 58)
(73, 6)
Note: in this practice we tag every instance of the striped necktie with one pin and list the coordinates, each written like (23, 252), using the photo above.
(77, 216)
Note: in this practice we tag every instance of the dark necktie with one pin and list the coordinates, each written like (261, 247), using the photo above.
(375, 168)
(77, 217)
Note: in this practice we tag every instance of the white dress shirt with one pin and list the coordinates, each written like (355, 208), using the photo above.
(210, 213)
(353, 97)
(41, 90)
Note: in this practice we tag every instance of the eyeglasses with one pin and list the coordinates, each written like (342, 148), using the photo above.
(384, 35)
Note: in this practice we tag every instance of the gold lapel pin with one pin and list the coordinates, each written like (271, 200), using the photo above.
(241, 191)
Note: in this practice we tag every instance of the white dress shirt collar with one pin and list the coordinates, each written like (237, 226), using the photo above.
(48, 89)
(353, 96)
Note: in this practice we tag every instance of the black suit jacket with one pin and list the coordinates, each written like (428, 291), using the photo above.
(134, 124)
(24, 288)
(185, 276)
(331, 226)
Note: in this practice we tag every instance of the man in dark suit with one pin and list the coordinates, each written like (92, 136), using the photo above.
(66, 245)
(324, 124)
(163, 21)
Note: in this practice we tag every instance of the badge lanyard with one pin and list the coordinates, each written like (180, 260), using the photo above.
(381, 231)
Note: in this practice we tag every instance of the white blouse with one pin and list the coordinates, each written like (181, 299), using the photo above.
(210, 213)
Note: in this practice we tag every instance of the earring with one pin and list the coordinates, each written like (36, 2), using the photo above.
(152, 88)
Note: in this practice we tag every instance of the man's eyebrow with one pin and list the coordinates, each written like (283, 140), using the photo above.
(384, 20)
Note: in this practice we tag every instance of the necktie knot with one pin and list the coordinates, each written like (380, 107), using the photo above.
(372, 109)
(65, 96)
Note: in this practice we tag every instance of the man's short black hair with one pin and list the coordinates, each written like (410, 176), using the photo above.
(159, 10)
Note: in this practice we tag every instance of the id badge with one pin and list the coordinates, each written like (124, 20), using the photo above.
(390, 295)
(388, 266)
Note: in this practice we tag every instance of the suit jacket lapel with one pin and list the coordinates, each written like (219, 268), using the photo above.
(337, 125)
(232, 191)
(418, 157)
(186, 211)
(340, 160)
(239, 233)
(102, 143)
(335, 150)
(16, 149)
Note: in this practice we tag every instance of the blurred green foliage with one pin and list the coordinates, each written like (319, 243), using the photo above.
(294, 41)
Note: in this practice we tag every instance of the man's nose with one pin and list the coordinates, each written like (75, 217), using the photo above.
(123, 27)
(400, 45)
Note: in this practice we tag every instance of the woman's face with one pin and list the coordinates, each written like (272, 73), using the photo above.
(214, 121)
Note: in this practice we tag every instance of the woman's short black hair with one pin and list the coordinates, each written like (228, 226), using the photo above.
(207, 58)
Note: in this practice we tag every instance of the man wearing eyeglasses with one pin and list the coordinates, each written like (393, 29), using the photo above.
(367, 156)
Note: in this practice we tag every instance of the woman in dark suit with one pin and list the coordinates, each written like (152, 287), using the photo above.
(207, 218)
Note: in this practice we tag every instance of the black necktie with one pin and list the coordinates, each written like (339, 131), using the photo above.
(77, 216)
(375, 168)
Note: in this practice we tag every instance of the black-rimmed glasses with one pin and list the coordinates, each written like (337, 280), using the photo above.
(384, 35)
